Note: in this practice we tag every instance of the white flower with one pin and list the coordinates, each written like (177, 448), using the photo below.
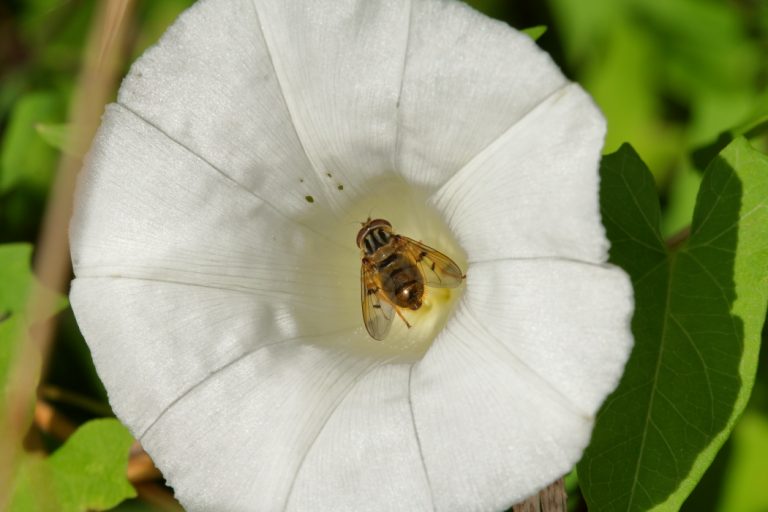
(217, 277)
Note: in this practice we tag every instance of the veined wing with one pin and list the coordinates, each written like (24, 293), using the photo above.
(439, 270)
(377, 313)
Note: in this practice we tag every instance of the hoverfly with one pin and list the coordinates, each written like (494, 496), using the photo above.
(393, 274)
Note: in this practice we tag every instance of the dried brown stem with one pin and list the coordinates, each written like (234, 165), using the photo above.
(140, 466)
(56, 394)
(675, 241)
(550, 499)
(50, 421)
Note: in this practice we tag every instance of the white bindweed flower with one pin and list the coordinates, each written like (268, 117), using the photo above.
(218, 279)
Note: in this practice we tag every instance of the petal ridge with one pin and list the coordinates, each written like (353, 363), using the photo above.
(226, 176)
(418, 438)
(547, 305)
(456, 190)
(535, 190)
(276, 423)
(339, 400)
(281, 88)
(398, 113)
(190, 389)
(507, 439)
(555, 394)
(468, 78)
(307, 298)
(346, 118)
(564, 259)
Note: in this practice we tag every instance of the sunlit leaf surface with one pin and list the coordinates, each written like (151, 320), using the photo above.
(87, 473)
(697, 325)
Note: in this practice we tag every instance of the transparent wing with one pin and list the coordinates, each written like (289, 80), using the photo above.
(377, 313)
(439, 270)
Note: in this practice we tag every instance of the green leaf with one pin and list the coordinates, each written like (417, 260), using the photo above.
(24, 157)
(90, 469)
(87, 473)
(16, 276)
(681, 199)
(18, 280)
(755, 125)
(56, 135)
(32, 486)
(698, 316)
(535, 32)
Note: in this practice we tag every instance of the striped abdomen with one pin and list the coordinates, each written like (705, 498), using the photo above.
(399, 277)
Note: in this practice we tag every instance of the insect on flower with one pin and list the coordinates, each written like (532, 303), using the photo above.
(214, 259)
(393, 274)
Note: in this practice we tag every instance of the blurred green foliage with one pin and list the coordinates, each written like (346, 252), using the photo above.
(18, 283)
(678, 79)
(41, 49)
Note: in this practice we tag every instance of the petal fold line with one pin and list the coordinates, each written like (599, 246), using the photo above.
(555, 394)
(217, 371)
(271, 56)
(418, 439)
(227, 177)
(559, 91)
(563, 259)
(340, 399)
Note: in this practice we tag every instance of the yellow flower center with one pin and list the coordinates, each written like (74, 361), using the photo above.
(407, 209)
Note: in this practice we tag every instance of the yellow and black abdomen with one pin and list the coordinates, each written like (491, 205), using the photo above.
(401, 279)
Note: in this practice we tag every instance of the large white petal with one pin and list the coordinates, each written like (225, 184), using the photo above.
(210, 85)
(367, 457)
(567, 320)
(534, 191)
(237, 441)
(149, 208)
(467, 80)
(163, 245)
(489, 435)
(508, 391)
(153, 341)
(340, 66)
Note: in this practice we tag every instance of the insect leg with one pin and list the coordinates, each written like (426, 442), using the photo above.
(397, 309)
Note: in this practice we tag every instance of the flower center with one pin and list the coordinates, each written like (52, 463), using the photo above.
(406, 208)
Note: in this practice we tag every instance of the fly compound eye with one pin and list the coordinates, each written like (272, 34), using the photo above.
(368, 226)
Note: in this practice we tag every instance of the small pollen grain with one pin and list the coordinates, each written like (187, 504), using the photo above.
(329, 175)
(340, 187)
(309, 199)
